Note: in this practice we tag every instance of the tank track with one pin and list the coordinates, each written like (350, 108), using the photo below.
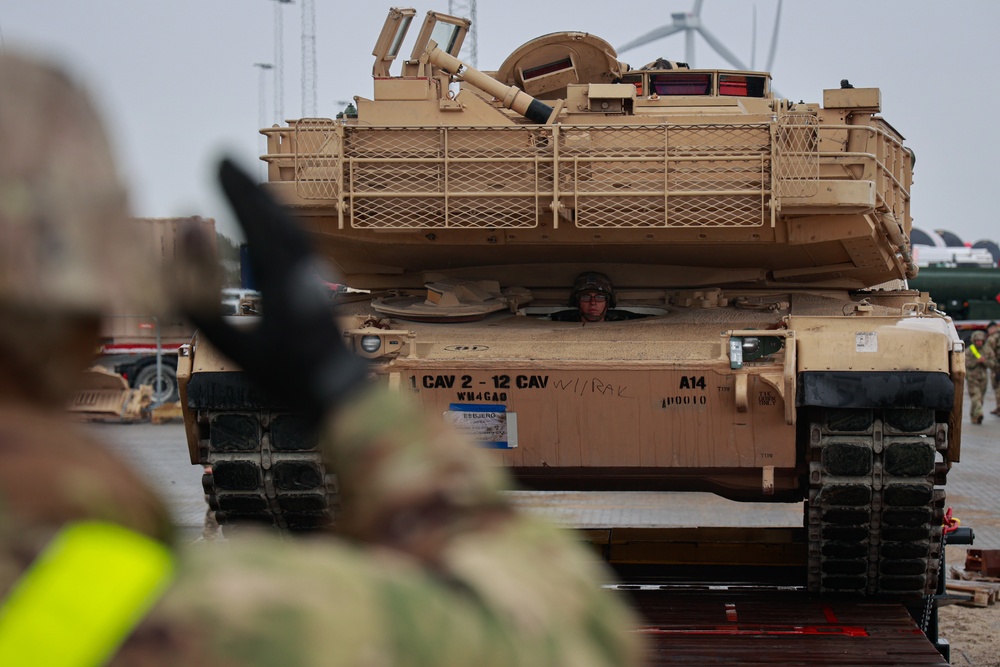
(874, 515)
(265, 468)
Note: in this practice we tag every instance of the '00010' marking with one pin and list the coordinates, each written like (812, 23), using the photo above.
(683, 400)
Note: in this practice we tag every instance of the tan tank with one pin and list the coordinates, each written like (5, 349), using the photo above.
(758, 247)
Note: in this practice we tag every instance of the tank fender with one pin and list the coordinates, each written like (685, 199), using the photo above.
(876, 389)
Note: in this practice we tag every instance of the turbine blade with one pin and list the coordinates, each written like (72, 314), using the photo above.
(659, 33)
(696, 10)
(753, 41)
(774, 38)
(721, 49)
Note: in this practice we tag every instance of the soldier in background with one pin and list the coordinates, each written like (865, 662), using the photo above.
(433, 567)
(992, 346)
(977, 374)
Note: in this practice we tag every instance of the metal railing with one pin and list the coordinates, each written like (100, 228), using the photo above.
(620, 176)
(883, 160)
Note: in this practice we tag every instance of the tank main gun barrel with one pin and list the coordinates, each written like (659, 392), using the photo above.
(511, 97)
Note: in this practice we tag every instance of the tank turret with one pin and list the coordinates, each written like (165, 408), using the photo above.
(665, 166)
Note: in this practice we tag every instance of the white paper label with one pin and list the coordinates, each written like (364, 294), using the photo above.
(866, 341)
(496, 429)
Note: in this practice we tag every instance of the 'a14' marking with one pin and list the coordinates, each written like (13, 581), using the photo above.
(692, 382)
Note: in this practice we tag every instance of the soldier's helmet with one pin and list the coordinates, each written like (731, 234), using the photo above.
(592, 281)
(979, 336)
(65, 241)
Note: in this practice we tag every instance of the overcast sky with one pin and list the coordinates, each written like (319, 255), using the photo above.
(177, 83)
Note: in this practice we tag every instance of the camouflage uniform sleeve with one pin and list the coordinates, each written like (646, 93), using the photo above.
(437, 570)
(417, 486)
(52, 474)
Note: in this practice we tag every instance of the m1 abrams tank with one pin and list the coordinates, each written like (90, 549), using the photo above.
(780, 357)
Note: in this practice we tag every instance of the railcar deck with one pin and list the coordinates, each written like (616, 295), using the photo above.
(712, 594)
(703, 624)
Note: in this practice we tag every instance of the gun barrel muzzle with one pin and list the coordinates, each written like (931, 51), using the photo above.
(511, 97)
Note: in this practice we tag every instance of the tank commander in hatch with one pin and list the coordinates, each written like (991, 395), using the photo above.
(433, 566)
(593, 300)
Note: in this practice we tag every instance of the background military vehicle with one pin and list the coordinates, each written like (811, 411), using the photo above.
(962, 279)
(967, 293)
(781, 356)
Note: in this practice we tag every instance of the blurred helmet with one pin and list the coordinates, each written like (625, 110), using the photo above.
(65, 241)
(592, 281)
(978, 335)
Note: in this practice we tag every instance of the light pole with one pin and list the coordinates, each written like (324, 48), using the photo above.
(308, 58)
(261, 111)
(279, 62)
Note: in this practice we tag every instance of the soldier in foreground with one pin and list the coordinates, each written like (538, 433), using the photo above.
(434, 567)
(977, 374)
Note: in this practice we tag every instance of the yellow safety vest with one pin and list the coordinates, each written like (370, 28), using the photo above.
(83, 596)
(975, 352)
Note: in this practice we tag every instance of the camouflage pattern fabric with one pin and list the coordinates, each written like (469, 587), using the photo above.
(52, 475)
(65, 241)
(438, 570)
(434, 567)
(977, 376)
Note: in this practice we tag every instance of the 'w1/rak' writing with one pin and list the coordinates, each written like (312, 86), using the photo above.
(585, 386)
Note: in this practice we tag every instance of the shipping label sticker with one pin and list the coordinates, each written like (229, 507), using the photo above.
(490, 426)
(866, 341)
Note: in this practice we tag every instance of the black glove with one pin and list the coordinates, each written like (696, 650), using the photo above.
(295, 351)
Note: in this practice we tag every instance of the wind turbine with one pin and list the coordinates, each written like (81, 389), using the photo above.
(690, 23)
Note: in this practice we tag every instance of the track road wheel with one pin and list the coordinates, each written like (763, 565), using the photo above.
(874, 516)
(266, 469)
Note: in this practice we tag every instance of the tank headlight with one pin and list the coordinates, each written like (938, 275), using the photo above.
(736, 352)
(371, 344)
(752, 348)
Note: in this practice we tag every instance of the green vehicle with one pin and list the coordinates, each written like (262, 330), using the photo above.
(969, 294)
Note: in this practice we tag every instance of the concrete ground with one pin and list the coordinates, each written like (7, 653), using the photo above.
(973, 489)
